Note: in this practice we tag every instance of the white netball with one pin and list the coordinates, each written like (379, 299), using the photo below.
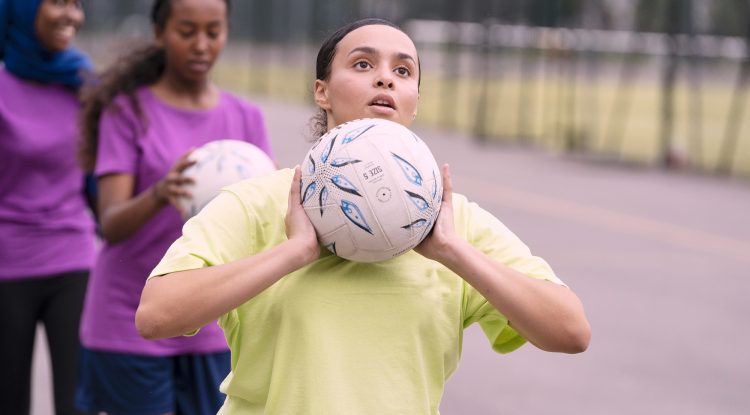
(218, 164)
(372, 189)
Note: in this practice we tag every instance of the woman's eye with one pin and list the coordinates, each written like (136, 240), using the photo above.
(362, 65)
(403, 71)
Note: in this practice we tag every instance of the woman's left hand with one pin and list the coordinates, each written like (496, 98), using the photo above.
(443, 233)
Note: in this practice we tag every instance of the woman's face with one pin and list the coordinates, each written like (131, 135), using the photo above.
(193, 37)
(374, 74)
(57, 22)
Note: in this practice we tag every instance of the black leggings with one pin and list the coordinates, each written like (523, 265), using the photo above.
(56, 301)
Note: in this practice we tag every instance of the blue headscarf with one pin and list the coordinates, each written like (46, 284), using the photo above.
(25, 57)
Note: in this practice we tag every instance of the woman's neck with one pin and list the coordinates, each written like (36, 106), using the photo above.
(186, 95)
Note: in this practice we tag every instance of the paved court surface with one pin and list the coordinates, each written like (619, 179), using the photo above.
(659, 259)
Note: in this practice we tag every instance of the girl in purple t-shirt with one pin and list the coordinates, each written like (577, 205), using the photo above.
(140, 123)
(46, 230)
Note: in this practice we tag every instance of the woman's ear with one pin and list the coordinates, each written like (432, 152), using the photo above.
(158, 37)
(320, 90)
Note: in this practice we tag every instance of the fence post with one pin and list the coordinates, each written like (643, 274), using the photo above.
(668, 82)
(480, 122)
(734, 120)
(695, 150)
(529, 57)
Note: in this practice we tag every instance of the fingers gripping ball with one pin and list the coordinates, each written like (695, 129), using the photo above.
(219, 164)
(372, 190)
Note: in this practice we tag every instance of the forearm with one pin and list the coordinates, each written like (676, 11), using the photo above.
(123, 219)
(548, 315)
(178, 303)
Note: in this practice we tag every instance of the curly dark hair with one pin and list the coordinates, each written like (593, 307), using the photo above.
(319, 122)
(143, 66)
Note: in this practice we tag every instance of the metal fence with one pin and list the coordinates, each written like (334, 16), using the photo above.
(580, 83)
(671, 99)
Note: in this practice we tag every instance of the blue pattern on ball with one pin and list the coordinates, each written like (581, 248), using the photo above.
(309, 191)
(311, 166)
(354, 134)
(418, 201)
(416, 224)
(332, 247)
(344, 184)
(411, 173)
(343, 161)
(322, 199)
(327, 151)
(352, 212)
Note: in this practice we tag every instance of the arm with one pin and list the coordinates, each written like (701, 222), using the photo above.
(122, 213)
(214, 291)
(548, 315)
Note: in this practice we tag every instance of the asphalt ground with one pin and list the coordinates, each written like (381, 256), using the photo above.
(659, 258)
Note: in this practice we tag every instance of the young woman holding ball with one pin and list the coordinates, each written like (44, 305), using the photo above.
(311, 333)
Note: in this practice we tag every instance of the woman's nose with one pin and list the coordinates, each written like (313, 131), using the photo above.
(201, 43)
(384, 81)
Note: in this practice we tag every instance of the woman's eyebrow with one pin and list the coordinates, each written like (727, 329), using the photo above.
(194, 23)
(365, 49)
(405, 56)
(372, 51)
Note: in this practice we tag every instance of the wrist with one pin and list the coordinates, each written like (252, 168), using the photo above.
(301, 253)
(451, 251)
(158, 198)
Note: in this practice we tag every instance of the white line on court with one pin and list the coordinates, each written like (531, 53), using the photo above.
(616, 221)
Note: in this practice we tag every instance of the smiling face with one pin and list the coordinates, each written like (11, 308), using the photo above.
(193, 37)
(57, 22)
(374, 74)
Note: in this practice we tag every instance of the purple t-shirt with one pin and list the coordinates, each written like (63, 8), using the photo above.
(45, 225)
(147, 149)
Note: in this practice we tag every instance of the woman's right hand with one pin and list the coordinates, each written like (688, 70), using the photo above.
(170, 188)
(299, 229)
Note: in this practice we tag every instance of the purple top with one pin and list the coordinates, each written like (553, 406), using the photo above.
(147, 150)
(45, 225)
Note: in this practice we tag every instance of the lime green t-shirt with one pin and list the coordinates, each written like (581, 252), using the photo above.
(339, 337)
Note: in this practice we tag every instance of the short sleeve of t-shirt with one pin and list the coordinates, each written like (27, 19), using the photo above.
(117, 150)
(210, 239)
(207, 239)
(488, 234)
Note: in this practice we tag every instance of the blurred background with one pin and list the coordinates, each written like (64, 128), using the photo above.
(642, 82)
(612, 136)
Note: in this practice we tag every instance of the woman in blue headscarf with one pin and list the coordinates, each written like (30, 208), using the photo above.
(46, 229)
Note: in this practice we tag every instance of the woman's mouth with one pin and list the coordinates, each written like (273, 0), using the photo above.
(384, 101)
(383, 104)
(199, 66)
(64, 33)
